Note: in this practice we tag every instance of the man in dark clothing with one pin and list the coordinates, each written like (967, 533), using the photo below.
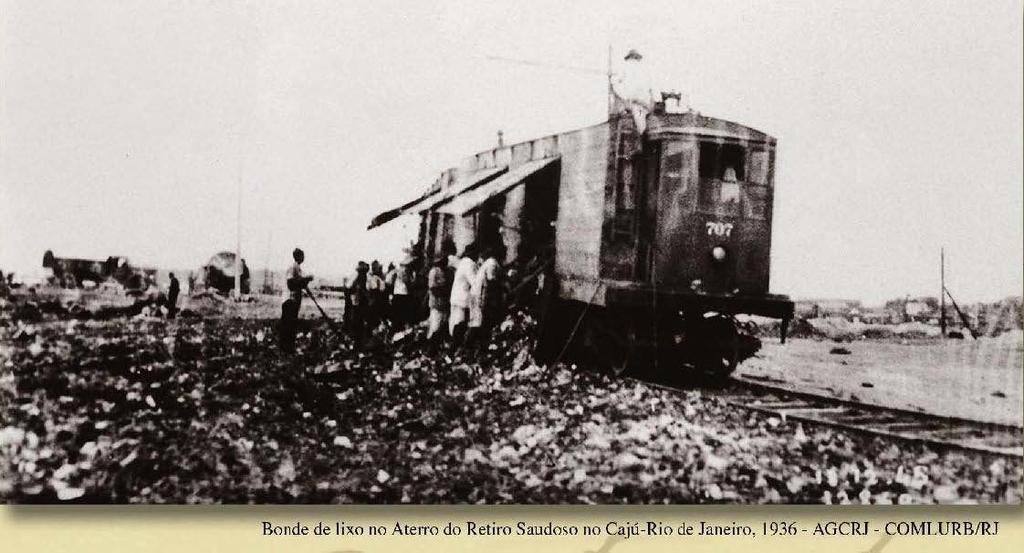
(172, 296)
(357, 306)
(297, 282)
(377, 296)
(244, 280)
(439, 290)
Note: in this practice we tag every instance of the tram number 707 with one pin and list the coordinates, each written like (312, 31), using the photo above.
(716, 228)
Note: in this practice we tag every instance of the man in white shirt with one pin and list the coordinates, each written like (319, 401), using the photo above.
(633, 87)
(462, 285)
(400, 302)
(730, 191)
(297, 281)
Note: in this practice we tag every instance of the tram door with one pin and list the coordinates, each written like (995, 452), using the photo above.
(647, 212)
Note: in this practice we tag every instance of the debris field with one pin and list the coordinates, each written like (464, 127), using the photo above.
(203, 409)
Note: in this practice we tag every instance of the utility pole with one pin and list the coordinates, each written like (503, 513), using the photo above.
(268, 276)
(942, 292)
(238, 239)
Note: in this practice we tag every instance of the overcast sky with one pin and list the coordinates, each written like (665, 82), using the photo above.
(127, 126)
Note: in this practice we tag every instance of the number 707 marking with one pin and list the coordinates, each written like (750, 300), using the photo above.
(719, 229)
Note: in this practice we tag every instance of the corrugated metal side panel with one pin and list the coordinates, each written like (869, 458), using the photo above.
(515, 154)
(581, 207)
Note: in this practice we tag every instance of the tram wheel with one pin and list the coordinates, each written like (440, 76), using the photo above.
(607, 343)
(719, 348)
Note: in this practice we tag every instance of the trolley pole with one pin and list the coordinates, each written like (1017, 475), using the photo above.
(942, 292)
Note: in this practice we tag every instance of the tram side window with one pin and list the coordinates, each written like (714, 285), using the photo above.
(759, 168)
(673, 165)
(756, 192)
(721, 172)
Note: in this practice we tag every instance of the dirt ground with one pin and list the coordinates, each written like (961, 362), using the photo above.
(260, 307)
(979, 380)
(257, 306)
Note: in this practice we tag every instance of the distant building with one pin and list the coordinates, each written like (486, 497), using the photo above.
(815, 308)
(875, 315)
(921, 309)
(916, 309)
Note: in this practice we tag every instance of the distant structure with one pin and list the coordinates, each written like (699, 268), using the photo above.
(218, 274)
(268, 283)
(71, 272)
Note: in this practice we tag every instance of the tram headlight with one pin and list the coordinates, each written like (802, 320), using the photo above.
(718, 253)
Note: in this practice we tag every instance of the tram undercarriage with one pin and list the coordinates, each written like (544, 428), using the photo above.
(695, 336)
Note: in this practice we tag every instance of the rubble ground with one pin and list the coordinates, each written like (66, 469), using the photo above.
(204, 410)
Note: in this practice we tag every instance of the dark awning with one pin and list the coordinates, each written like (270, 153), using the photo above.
(390, 214)
(472, 199)
(429, 201)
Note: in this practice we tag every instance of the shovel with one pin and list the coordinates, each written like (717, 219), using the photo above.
(330, 321)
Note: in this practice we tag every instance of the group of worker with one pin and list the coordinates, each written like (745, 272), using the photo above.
(464, 298)
(464, 295)
(376, 299)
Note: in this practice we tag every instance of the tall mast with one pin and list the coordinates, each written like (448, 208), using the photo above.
(268, 277)
(238, 238)
(942, 292)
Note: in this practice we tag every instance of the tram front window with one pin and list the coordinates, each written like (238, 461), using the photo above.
(721, 179)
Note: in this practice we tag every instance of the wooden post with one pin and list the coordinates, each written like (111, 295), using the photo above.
(238, 240)
(942, 291)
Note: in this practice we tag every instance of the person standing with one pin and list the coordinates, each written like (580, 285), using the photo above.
(400, 299)
(172, 296)
(389, 279)
(462, 284)
(243, 281)
(438, 291)
(296, 281)
(633, 89)
(389, 292)
(376, 294)
(484, 296)
(357, 305)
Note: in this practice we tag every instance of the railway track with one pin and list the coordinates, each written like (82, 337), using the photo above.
(942, 433)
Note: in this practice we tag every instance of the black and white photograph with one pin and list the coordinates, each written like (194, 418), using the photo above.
(523, 252)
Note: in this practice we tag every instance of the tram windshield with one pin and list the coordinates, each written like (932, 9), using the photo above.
(724, 187)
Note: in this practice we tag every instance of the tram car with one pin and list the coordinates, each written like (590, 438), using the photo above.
(648, 243)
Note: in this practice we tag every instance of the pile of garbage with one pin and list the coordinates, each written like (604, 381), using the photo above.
(146, 410)
(37, 307)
